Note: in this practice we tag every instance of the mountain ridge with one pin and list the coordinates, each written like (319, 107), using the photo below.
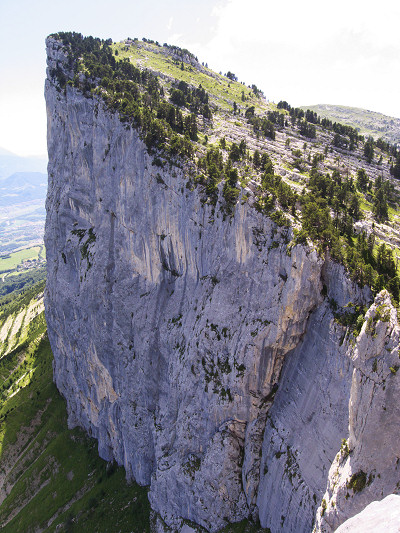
(368, 122)
(10, 163)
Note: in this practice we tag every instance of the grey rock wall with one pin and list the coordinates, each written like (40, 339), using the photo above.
(378, 517)
(309, 416)
(366, 467)
(169, 325)
(197, 349)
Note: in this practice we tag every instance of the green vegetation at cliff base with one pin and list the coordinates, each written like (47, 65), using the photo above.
(54, 477)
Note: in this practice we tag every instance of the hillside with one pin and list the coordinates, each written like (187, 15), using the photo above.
(51, 478)
(221, 290)
(366, 122)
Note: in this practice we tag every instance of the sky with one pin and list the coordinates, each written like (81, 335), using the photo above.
(306, 52)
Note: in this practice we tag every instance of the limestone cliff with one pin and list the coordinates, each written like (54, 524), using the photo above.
(367, 465)
(175, 329)
(378, 517)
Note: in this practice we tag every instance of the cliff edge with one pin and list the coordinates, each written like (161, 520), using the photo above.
(202, 351)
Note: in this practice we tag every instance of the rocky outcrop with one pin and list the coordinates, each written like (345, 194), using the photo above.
(367, 466)
(309, 416)
(377, 517)
(200, 350)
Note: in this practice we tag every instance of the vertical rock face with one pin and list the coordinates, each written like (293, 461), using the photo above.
(367, 466)
(378, 517)
(169, 325)
(309, 416)
(197, 349)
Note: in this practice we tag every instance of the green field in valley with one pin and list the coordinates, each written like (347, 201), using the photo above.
(11, 261)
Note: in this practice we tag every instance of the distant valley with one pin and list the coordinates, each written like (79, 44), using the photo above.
(23, 187)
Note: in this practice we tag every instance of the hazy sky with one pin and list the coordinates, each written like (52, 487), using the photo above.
(306, 52)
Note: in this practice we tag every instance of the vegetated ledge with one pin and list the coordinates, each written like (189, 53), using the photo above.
(171, 121)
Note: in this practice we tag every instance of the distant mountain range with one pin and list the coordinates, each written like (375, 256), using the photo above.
(23, 187)
(367, 122)
(11, 163)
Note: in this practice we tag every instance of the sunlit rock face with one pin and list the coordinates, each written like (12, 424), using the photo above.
(366, 468)
(378, 517)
